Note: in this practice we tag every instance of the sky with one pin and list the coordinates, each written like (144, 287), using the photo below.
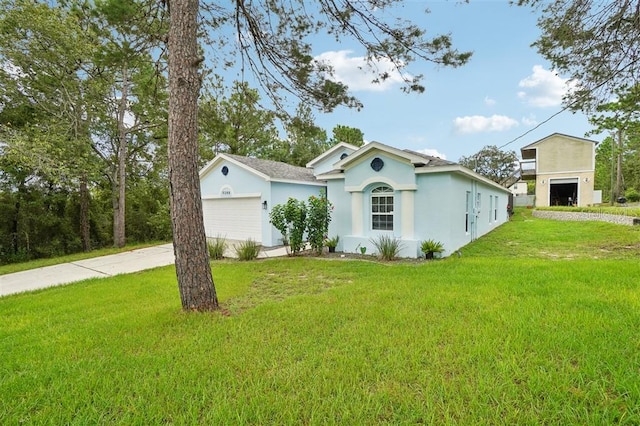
(498, 98)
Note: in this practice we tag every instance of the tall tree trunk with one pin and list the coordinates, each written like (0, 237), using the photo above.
(193, 269)
(612, 173)
(119, 238)
(85, 230)
(15, 224)
(619, 164)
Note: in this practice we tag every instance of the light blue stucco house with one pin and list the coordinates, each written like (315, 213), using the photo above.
(376, 190)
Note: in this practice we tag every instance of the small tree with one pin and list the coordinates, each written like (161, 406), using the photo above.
(290, 220)
(318, 218)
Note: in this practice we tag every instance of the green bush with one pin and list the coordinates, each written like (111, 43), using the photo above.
(217, 248)
(632, 195)
(318, 218)
(248, 250)
(429, 247)
(332, 242)
(290, 220)
(388, 246)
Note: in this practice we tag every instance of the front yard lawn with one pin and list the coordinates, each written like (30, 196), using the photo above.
(496, 336)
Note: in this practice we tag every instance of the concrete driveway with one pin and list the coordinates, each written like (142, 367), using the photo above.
(99, 267)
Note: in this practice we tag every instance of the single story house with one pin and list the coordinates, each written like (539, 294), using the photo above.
(375, 189)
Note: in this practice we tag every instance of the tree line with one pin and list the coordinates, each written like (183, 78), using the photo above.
(83, 126)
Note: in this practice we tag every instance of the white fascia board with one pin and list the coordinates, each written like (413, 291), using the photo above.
(395, 152)
(539, 141)
(330, 151)
(298, 182)
(220, 197)
(330, 176)
(220, 157)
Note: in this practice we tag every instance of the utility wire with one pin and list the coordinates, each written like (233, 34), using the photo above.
(571, 104)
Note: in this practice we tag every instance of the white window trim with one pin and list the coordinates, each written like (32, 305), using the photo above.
(388, 192)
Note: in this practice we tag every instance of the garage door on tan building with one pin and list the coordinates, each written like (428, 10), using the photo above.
(233, 218)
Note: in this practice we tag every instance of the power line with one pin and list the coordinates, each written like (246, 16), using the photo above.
(535, 127)
(605, 81)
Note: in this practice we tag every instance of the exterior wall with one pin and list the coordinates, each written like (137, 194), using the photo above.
(396, 173)
(438, 210)
(519, 188)
(441, 206)
(585, 187)
(561, 154)
(239, 182)
(360, 179)
(326, 165)
(340, 224)
(426, 206)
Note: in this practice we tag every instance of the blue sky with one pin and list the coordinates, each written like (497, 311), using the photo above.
(503, 92)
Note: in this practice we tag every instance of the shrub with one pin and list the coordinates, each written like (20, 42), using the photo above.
(217, 248)
(247, 250)
(290, 220)
(632, 195)
(332, 242)
(388, 246)
(429, 247)
(318, 218)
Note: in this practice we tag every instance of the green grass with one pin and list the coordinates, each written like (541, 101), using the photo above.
(529, 237)
(629, 210)
(492, 337)
(33, 264)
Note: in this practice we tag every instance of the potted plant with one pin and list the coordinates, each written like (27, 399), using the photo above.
(429, 247)
(332, 243)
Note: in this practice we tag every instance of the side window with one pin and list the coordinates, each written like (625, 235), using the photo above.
(495, 209)
(382, 208)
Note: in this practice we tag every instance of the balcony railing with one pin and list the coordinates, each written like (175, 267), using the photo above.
(528, 169)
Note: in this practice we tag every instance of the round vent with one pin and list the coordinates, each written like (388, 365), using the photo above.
(377, 164)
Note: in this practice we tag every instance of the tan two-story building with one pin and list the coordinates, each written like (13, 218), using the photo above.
(563, 168)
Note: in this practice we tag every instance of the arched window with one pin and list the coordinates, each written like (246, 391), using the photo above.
(382, 208)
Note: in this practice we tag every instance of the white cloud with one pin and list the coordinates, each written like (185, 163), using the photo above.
(529, 121)
(488, 101)
(432, 152)
(482, 124)
(356, 73)
(544, 88)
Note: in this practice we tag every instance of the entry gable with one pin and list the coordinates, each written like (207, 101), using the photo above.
(403, 155)
(326, 161)
(379, 163)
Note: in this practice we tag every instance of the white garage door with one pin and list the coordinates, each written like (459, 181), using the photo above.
(233, 218)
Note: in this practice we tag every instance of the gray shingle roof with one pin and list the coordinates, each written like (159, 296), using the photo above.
(276, 169)
(433, 161)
